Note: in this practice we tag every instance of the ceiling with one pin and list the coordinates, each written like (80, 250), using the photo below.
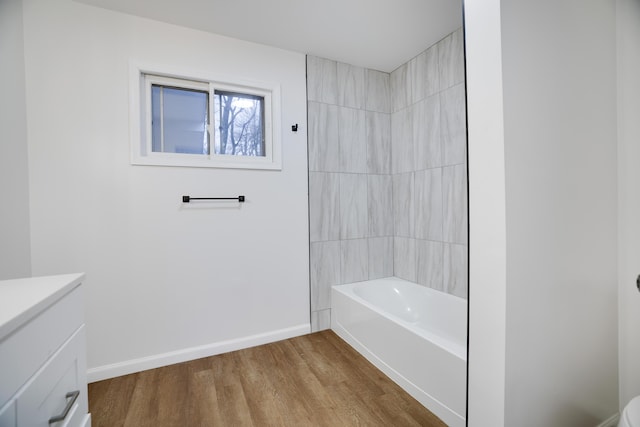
(376, 34)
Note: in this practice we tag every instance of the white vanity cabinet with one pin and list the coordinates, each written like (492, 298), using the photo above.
(43, 352)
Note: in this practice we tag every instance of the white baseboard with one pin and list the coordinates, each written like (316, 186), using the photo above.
(150, 362)
(612, 421)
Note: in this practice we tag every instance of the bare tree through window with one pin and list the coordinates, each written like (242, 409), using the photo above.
(239, 124)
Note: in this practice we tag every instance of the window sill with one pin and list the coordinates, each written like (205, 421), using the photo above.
(224, 163)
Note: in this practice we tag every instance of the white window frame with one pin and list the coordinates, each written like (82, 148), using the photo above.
(140, 119)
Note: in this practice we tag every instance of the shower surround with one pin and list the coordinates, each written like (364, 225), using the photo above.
(387, 174)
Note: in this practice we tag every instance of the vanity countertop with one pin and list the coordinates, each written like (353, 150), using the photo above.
(23, 299)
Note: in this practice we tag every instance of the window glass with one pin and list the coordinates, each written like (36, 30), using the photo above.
(239, 124)
(179, 119)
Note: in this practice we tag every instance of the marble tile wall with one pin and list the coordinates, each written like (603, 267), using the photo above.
(429, 166)
(350, 185)
(387, 180)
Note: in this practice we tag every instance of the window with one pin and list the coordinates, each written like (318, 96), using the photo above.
(204, 123)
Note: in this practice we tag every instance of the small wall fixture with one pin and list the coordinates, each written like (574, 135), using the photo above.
(294, 128)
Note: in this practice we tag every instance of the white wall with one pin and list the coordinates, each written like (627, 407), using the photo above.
(165, 281)
(628, 49)
(559, 82)
(558, 85)
(487, 232)
(15, 257)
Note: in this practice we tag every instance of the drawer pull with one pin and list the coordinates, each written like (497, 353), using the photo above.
(72, 395)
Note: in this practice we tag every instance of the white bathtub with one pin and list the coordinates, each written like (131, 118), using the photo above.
(414, 334)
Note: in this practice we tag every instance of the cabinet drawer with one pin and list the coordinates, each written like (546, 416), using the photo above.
(27, 349)
(45, 395)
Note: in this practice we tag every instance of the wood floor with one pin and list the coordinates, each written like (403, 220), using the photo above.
(312, 380)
